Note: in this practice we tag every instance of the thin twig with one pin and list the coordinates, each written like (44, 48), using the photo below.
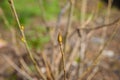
(24, 39)
(69, 21)
(62, 53)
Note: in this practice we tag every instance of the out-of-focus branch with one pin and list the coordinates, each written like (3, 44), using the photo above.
(107, 18)
(43, 14)
(7, 59)
(77, 30)
(63, 10)
(69, 21)
(48, 67)
(93, 73)
(83, 43)
(97, 59)
(42, 11)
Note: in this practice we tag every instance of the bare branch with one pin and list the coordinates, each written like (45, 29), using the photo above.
(94, 28)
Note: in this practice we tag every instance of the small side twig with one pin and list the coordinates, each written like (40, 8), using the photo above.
(62, 53)
(11, 2)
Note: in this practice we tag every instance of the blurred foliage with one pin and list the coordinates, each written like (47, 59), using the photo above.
(32, 68)
(12, 77)
(77, 59)
(37, 37)
(7, 12)
(51, 8)
(27, 10)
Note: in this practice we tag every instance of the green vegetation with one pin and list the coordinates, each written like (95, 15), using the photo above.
(27, 10)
